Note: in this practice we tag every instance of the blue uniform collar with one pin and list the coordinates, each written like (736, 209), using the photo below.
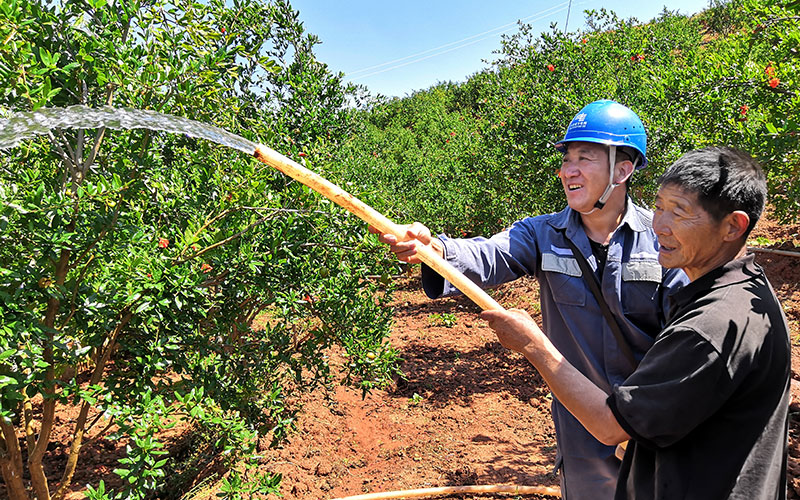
(635, 217)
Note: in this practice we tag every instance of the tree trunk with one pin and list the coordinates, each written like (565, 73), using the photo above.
(11, 463)
(38, 477)
(80, 425)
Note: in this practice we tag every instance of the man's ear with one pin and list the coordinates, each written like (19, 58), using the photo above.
(622, 171)
(737, 223)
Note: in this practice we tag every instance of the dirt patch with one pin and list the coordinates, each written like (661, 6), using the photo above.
(467, 412)
(784, 274)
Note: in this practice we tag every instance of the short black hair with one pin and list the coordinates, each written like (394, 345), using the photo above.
(724, 179)
(625, 154)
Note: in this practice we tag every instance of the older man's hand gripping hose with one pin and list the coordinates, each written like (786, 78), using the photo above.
(376, 219)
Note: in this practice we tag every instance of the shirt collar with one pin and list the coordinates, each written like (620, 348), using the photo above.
(735, 271)
(636, 218)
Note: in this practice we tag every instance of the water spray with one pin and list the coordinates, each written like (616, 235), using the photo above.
(21, 126)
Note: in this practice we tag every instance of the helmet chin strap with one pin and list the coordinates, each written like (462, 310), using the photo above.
(612, 161)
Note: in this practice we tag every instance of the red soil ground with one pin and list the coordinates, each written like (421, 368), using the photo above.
(467, 412)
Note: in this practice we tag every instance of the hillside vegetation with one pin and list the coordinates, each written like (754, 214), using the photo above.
(472, 157)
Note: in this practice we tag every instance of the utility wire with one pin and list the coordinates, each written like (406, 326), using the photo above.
(566, 24)
(492, 32)
(540, 13)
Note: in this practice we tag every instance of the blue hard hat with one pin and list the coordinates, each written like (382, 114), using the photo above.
(610, 123)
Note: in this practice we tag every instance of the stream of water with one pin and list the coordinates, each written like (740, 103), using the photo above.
(22, 126)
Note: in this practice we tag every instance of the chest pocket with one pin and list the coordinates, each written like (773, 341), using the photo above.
(564, 277)
(641, 302)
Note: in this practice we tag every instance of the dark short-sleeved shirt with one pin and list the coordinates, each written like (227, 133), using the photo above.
(633, 285)
(707, 408)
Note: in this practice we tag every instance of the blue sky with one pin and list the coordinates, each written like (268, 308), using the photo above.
(398, 47)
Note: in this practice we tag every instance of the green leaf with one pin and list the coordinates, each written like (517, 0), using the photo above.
(45, 56)
(37, 197)
(69, 67)
(142, 307)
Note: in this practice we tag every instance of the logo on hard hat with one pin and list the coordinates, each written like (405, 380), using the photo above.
(578, 122)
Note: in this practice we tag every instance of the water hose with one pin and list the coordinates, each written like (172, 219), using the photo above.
(429, 257)
(376, 219)
(460, 490)
(785, 253)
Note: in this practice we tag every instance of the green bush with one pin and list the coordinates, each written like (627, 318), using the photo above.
(186, 281)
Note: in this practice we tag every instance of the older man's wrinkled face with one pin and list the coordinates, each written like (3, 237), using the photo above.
(688, 237)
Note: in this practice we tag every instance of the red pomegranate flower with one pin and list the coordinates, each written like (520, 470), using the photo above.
(550, 67)
(163, 243)
(206, 267)
(774, 82)
(743, 109)
(770, 70)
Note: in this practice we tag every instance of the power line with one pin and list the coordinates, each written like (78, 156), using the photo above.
(492, 32)
(566, 24)
(545, 12)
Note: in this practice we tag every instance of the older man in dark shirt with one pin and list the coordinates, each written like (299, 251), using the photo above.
(706, 411)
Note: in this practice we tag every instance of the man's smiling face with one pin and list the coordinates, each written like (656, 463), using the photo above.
(584, 174)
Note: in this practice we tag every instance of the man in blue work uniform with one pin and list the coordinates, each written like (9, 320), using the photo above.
(602, 147)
